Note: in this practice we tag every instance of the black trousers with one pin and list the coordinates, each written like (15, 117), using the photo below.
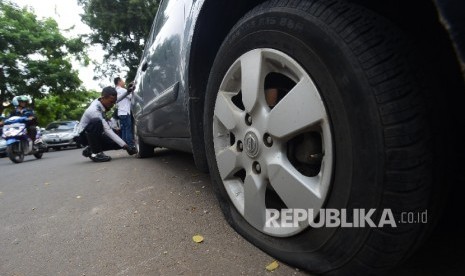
(32, 132)
(31, 129)
(94, 136)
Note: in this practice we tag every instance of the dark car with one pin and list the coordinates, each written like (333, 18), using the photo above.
(60, 134)
(339, 112)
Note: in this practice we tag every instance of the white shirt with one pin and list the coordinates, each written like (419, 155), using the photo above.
(97, 110)
(124, 103)
(114, 124)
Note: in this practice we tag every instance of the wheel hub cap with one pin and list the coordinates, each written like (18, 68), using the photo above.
(252, 145)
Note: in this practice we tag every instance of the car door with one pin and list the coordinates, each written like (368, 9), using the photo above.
(163, 112)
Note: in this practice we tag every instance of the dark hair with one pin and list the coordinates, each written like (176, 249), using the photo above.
(109, 92)
(116, 80)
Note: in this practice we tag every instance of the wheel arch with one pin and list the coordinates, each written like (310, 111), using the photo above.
(215, 20)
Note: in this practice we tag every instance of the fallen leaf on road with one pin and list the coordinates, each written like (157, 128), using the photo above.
(272, 266)
(1, 193)
(197, 238)
(78, 197)
(33, 209)
(46, 183)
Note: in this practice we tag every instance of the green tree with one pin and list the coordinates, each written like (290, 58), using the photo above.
(121, 27)
(35, 58)
(69, 106)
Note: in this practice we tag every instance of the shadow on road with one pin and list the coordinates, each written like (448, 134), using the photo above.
(442, 254)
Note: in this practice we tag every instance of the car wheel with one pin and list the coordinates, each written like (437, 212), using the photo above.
(316, 106)
(143, 150)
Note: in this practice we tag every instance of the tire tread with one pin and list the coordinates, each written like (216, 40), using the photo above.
(377, 46)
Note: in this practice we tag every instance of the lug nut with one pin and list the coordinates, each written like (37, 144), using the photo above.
(248, 119)
(256, 167)
(240, 146)
(267, 140)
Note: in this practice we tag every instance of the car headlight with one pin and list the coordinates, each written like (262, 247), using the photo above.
(2, 143)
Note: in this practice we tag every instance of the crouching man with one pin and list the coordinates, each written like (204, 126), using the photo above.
(96, 133)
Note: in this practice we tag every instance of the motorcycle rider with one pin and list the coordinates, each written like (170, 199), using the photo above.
(22, 109)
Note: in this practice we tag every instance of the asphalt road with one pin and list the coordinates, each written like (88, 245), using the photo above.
(65, 215)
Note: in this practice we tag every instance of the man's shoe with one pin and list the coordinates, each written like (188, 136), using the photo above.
(87, 152)
(100, 157)
(131, 150)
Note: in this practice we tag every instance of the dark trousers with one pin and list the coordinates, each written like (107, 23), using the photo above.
(31, 129)
(32, 132)
(94, 137)
(126, 129)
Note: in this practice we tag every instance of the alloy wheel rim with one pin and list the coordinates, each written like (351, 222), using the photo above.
(252, 140)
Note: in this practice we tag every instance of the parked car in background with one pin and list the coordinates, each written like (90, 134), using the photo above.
(3, 147)
(312, 105)
(60, 134)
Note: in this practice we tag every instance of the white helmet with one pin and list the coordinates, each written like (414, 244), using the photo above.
(21, 98)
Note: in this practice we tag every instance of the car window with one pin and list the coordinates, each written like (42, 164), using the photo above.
(61, 126)
(160, 19)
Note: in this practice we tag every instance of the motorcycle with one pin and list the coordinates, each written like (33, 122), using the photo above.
(18, 142)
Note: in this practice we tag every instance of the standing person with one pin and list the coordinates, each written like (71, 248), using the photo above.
(96, 132)
(124, 110)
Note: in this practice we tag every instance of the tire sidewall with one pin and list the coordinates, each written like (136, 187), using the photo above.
(357, 136)
(143, 150)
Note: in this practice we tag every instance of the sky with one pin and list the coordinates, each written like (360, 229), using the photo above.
(67, 13)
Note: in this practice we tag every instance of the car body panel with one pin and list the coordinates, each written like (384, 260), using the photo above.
(452, 16)
(162, 106)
